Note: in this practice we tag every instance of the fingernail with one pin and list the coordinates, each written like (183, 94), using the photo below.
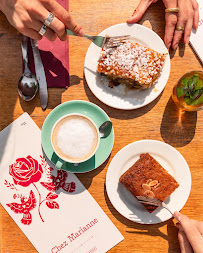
(130, 19)
(169, 45)
(178, 225)
(196, 27)
(188, 39)
(175, 46)
(177, 215)
(81, 32)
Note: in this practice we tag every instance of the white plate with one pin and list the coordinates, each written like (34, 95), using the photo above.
(117, 97)
(171, 160)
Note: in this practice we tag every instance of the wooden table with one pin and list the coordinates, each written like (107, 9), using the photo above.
(159, 121)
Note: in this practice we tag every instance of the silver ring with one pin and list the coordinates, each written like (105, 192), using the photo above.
(43, 30)
(49, 19)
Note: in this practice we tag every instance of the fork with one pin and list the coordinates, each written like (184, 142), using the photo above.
(154, 202)
(101, 41)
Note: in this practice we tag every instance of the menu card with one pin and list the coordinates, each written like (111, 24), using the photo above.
(196, 37)
(51, 207)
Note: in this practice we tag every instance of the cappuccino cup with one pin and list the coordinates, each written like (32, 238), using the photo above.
(75, 139)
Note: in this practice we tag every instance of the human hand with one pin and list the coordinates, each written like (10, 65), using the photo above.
(28, 18)
(187, 17)
(190, 234)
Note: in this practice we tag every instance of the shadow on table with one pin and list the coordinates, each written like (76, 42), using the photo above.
(86, 178)
(144, 229)
(118, 113)
(177, 128)
(54, 96)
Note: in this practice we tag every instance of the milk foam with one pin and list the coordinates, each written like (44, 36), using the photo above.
(75, 137)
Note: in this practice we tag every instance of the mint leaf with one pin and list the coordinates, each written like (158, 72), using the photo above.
(199, 84)
(195, 79)
(189, 83)
(198, 101)
(181, 91)
(201, 91)
(195, 95)
(184, 81)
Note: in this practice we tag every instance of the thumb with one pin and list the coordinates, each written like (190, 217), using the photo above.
(139, 11)
(190, 230)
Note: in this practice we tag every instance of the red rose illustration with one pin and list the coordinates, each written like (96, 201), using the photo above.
(25, 171)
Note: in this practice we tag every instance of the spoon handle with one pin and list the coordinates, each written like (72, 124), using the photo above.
(24, 46)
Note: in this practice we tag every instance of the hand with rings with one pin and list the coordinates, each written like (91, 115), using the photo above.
(180, 16)
(37, 18)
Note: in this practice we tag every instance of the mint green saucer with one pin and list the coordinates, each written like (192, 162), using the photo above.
(92, 111)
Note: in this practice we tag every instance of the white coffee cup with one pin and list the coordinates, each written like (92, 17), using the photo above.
(75, 139)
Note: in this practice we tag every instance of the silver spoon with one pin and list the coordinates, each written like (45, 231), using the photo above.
(27, 84)
(105, 129)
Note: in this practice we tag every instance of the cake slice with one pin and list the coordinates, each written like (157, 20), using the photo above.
(148, 178)
(132, 64)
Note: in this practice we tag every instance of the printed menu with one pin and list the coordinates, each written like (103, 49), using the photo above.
(197, 36)
(52, 207)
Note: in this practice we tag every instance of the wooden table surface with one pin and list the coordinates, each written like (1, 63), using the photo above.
(158, 121)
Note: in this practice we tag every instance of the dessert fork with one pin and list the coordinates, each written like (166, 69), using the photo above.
(154, 202)
(101, 41)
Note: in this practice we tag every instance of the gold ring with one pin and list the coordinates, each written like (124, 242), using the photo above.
(180, 28)
(172, 10)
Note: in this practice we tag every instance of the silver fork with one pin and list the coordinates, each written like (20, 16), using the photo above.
(102, 42)
(154, 202)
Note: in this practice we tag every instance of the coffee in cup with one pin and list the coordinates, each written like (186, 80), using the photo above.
(75, 138)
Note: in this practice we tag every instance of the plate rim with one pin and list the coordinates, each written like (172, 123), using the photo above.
(129, 107)
(146, 141)
(72, 102)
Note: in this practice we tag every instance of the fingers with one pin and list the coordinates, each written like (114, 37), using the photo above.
(49, 34)
(188, 16)
(140, 10)
(188, 29)
(199, 225)
(32, 34)
(183, 241)
(32, 16)
(196, 13)
(178, 34)
(171, 20)
(63, 18)
(56, 27)
(193, 235)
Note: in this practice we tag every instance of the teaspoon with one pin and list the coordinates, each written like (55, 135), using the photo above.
(105, 129)
(27, 84)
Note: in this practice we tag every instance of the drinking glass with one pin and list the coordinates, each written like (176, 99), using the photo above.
(188, 92)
